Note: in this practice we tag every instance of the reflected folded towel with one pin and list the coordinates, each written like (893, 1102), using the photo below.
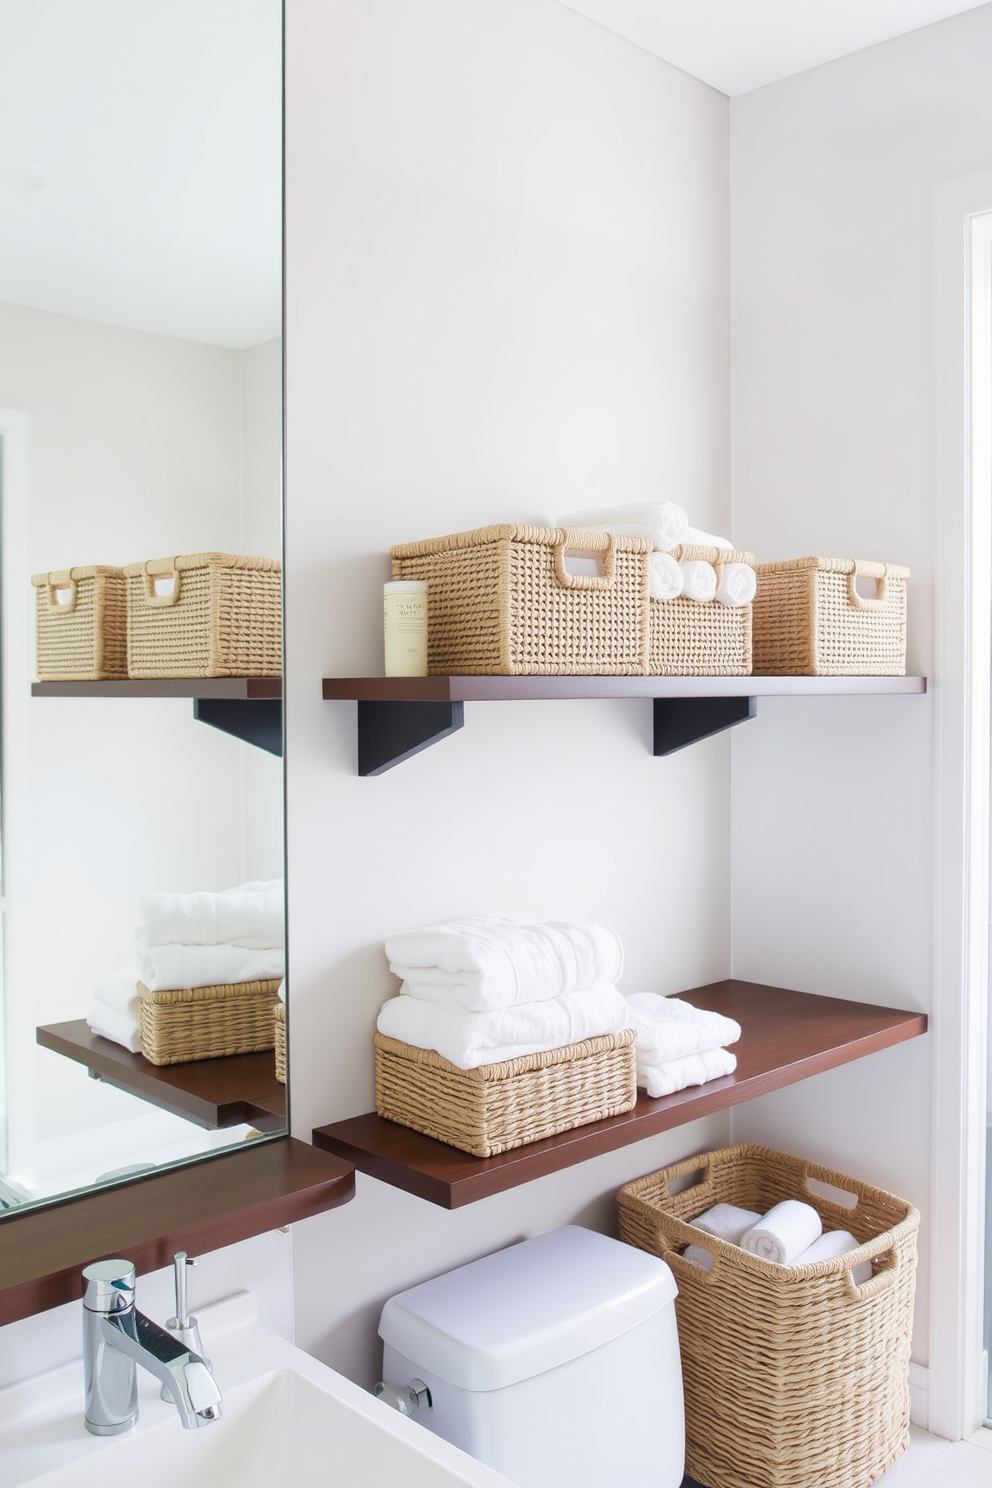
(679, 1074)
(698, 580)
(469, 1039)
(697, 539)
(737, 585)
(664, 576)
(726, 1222)
(250, 915)
(662, 521)
(784, 1232)
(166, 967)
(830, 1245)
(482, 963)
(668, 1028)
(121, 1028)
(119, 990)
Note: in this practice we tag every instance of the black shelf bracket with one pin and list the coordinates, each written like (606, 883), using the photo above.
(254, 720)
(682, 721)
(391, 732)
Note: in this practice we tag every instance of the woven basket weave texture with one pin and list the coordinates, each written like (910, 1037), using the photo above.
(223, 617)
(279, 1014)
(500, 601)
(701, 640)
(207, 1022)
(793, 1376)
(500, 1106)
(811, 621)
(86, 639)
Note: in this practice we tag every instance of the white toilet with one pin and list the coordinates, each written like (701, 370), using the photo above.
(555, 1361)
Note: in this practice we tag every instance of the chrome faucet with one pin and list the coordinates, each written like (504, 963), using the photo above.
(116, 1337)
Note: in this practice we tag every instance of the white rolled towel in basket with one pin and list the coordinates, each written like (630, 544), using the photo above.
(784, 1232)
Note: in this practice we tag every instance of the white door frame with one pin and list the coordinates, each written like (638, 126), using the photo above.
(961, 687)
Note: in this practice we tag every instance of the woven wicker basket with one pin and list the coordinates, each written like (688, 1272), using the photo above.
(207, 1022)
(793, 1376)
(701, 640)
(501, 602)
(279, 1014)
(84, 639)
(221, 617)
(498, 1106)
(810, 620)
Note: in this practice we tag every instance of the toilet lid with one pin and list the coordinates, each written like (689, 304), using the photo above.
(526, 1309)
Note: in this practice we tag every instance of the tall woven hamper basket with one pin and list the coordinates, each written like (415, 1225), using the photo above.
(701, 640)
(811, 620)
(204, 615)
(795, 1376)
(501, 601)
(81, 619)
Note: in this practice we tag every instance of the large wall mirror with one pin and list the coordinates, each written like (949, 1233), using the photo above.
(140, 417)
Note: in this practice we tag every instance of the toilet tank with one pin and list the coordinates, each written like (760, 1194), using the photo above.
(555, 1361)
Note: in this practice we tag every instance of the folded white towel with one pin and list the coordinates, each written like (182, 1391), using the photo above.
(696, 539)
(662, 521)
(784, 1232)
(830, 1245)
(698, 580)
(165, 967)
(679, 1074)
(664, 576)
(738, 584)
(726, 1222)
(119, 990)
(470, 1039)
(251, 915)
(119, 1027)
(668, 1028)
(481, 963)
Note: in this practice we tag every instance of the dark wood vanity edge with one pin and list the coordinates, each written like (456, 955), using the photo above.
(208, 1204)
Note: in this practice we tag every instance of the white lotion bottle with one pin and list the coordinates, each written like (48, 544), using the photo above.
(404, 625)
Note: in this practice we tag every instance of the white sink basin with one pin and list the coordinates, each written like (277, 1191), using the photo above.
(288, 1422)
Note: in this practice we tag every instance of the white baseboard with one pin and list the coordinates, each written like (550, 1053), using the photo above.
(919, 1395)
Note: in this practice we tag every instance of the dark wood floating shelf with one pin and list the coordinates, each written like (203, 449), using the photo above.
(400, 716)
(786, 1037)
(250, 708)
(199, 1207)
(241, 1090)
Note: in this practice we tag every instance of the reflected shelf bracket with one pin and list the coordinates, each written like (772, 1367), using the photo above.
(254, 720)
(679, 722)
(391, 732)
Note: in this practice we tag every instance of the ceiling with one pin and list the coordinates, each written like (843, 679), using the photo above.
(141, 163)
(737, 45)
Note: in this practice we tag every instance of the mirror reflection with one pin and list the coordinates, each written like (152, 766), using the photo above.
(140, 419)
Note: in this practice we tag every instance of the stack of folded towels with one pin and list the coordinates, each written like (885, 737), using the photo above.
(790, 1234)
(193, 940)
(667, 526)
(483, 989)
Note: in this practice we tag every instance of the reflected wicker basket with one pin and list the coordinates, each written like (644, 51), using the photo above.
(207, 1022)
(204, 615)
(81, 624)
(279, 1014)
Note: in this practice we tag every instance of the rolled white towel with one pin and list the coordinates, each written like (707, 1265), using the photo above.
(482, 963)
(166, 967)
(668, 1028)
(726, 1222)
(119, 990)
(830, 1245)
(662, 521)
(698, 580)
(697, 539)
(697, 1255)
(470, 1039)
(252, 915)
(119, 1027)
(665, 576)
(783, 1233)
(679, 1074)
(737, 585)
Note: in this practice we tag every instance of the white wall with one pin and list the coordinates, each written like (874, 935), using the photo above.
(834, 417)
(507, 296)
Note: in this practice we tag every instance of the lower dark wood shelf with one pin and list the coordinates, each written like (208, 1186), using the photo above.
(199, 1207)
(159, 687)
(786, 1037)
(241, 1090)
